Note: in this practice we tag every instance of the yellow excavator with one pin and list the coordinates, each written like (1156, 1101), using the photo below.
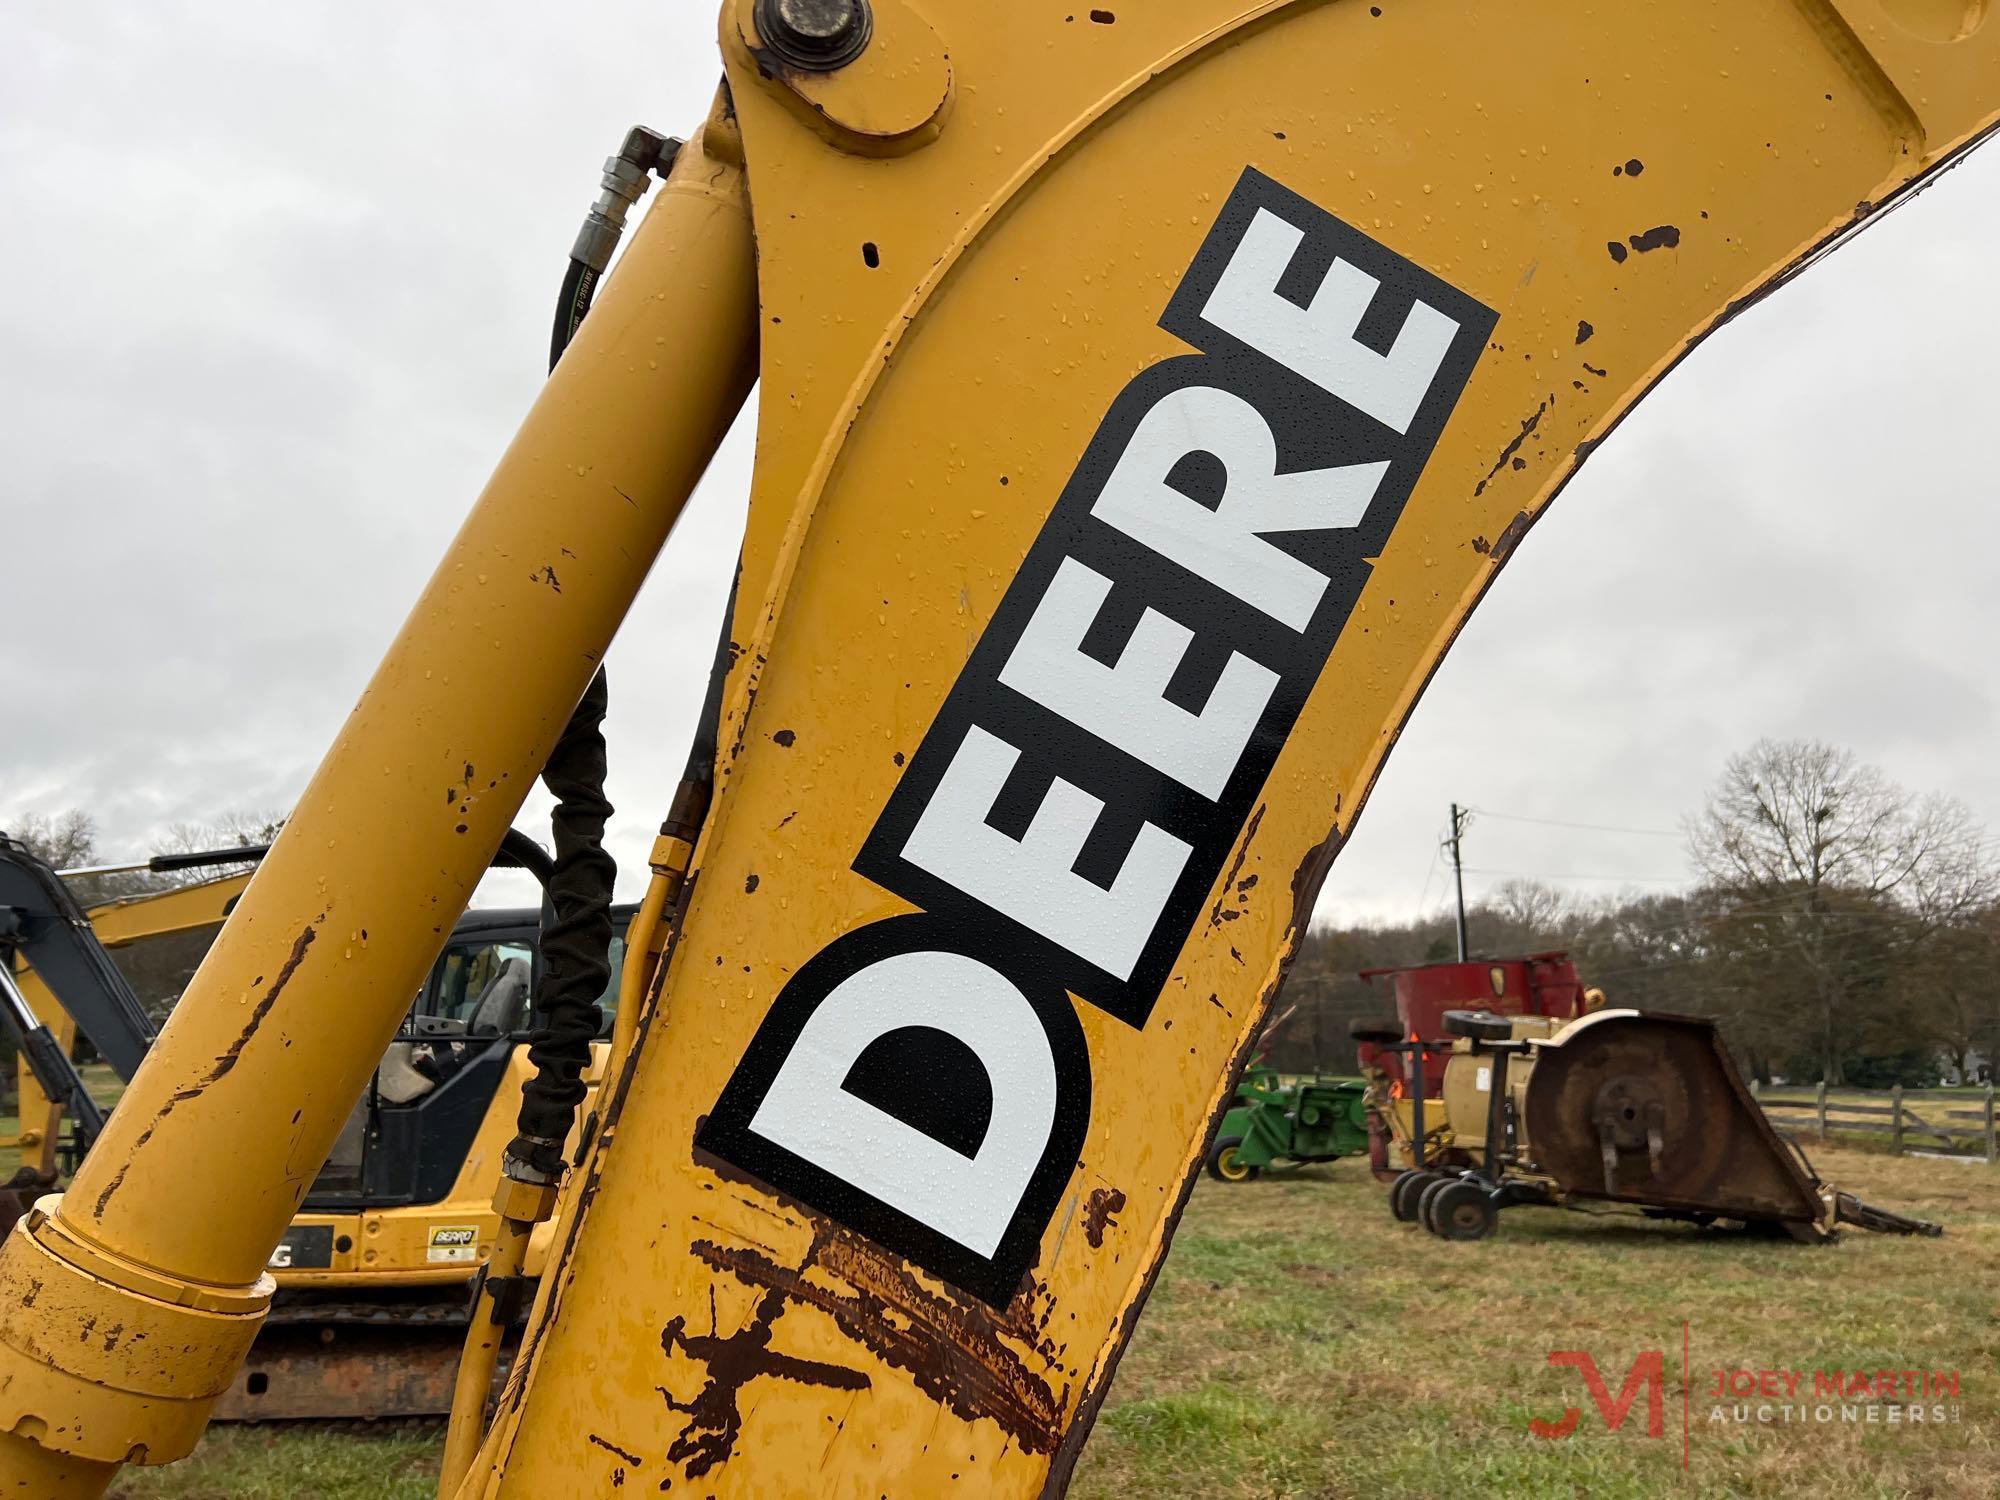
(1148, 394)
(372, 1273)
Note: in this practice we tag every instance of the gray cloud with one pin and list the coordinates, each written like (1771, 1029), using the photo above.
(281, 279)
(1794, 535)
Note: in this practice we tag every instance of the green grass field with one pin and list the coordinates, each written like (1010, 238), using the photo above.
(295, 1463)
(1302, 1344)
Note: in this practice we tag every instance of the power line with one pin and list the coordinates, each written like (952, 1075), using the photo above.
(1662, 833)
(1874, 968)
(1551, 875)
(1430, 874)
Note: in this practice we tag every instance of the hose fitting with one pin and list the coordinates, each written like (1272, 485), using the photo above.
(626, 178)
(624, 183)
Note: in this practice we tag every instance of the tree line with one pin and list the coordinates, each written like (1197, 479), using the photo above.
(159, 968)
(1840, 928)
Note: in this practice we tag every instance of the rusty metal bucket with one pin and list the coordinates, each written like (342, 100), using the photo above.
(1649, 1109)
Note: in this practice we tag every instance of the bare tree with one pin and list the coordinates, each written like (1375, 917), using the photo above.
(1829, 878)
(63, 841)
(69, 841)
(231, 830)
(1649, 952)
(1530, 914)
(1959, 998)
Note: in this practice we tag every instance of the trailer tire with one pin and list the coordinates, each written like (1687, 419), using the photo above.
(1479, 1025)
(1429, 1197)
(1383, 1031)
(1224, 1165)
(1459, 1210)
(1406, 1190)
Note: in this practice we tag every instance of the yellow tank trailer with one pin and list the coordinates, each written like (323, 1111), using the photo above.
(1620, 1107)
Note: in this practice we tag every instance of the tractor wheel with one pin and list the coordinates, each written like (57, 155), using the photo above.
(1405, 1191)
(1460, 1210)
(1226, 1165)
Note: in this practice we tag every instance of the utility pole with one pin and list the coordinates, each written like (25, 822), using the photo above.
(1460, 817)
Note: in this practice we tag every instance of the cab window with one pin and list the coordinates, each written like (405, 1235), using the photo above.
(608, 1001)
(483, 987)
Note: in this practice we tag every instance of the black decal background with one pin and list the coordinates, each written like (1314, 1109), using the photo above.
(1313, 430)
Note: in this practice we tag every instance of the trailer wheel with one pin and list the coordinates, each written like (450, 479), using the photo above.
(1383, 1030)
(1225, 1164)
(1459, 1210)
(1427, 1191)
(1406, 1190)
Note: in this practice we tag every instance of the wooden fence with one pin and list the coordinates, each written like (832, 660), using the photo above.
(1949, 1122)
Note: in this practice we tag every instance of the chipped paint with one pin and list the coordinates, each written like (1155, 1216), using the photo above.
(957, 1351)
(1100, 1214)
(220, 1068)
(714, 1413)
(1509, 538)
(1508, 453)
(1217, 914)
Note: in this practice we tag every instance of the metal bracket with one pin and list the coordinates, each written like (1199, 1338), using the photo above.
(873, 78)
(624, 183)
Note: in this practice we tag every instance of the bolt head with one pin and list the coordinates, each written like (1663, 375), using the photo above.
(817, 35)
(818, 20)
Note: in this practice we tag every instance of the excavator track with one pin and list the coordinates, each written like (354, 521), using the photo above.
(389, 1359)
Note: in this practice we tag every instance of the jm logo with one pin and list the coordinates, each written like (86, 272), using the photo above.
(1648, 1374)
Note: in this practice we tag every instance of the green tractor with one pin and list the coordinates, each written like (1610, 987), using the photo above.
(1273, 1122)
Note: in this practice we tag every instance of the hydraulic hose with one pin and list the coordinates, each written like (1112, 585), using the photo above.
(641, 950)
(575, 946)
(673, 850)
(576, 921)
(481, 1354)
(576, 941)
(579, 285)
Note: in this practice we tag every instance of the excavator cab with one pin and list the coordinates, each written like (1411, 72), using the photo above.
(470, 1013)
(372, 1271)
(408, 1137)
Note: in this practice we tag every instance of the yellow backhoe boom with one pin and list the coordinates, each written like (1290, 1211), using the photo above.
(1148, 395)
(289, 1014)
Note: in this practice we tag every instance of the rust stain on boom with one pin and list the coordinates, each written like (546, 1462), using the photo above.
(964, 1355)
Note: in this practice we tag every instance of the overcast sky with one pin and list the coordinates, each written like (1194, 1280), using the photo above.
(280, 280)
